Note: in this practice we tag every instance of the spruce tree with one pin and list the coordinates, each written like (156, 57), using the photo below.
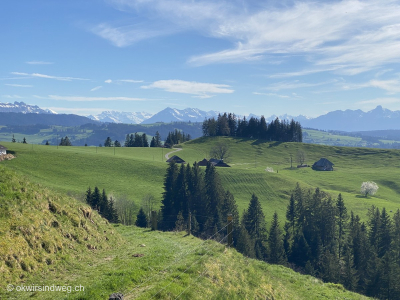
(277, 253)
(245, 243)
(145, 143)
(24, 141)
(168, 208)
(13, 139)
(112, 214)
(88, 197)
(96, 198)
(341, 220)
(141, 219)
(117, 143)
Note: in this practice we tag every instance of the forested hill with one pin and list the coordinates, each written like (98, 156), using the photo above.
(11, 118)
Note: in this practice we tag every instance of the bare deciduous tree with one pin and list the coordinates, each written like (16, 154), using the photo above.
(301, 157)
(220, 151)
(148, 204)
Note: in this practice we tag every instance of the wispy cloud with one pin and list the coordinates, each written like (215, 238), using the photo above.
(271, 94)
(38, 75)
(122, 36)
(380, 101)
(199, 89)
(96, 88)
(35, 62)
(347, 37)
(284, 85)
(12, 96)
(123, 80)
(84, 98)
(392, 86)
(19, 85)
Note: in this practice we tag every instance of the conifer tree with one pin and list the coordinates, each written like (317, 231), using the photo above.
(24, 141)
(341, 219)
(277, 253)
(96, 198)
(245, 243)
(88, 197)
(384, 233)
(145, 143)
(108, 142)
(13, 139)
(112, 214)
(141, 219)
(214, 194)
(168, 208)
(117, 143)
(153, 142)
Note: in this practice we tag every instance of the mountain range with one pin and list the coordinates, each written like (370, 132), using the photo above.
(348, 120)
(21, 107)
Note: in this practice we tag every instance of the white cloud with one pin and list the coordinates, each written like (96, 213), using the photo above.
(392, 86)
(108, 81)
(12, 96)
(284, 85)
(199, 89)
(271, 94)
(130, 80)
(38, 75)
(123, 36)
(83, 98)
(347, 37)
(35, 62)
(96, 88)
(380, 101)
(19, 85)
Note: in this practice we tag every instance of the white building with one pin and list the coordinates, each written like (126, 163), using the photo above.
(3, 150)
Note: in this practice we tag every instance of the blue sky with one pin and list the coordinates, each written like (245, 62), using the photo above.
(295, 57)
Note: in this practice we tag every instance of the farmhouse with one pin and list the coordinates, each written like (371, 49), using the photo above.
(176, 159)
(3, 150)
(214, 162)
(323, 165)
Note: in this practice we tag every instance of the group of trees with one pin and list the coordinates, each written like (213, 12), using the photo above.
(230, 125)
(188, 190)
(323, 240)
(100, 202)
(136, 140)
(176, 137)
(65, 141)
(109, 143)
(319, 236)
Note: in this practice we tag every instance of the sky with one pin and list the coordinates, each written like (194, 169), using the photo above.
(261, 57)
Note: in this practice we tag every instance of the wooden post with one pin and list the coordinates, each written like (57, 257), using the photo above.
(291, 159)
(153, 220)
(230, 226)
(190, 223)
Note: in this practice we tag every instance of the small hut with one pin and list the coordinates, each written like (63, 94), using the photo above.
(215, 162)
(176, 159)
(203, 163)
(323, 165)
(3, 150)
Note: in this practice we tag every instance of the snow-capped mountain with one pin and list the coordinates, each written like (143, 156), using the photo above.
(21, 107)
(299, 118)
(121, 117)
(176, 115)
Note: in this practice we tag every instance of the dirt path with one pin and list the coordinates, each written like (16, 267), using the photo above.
(176, 150)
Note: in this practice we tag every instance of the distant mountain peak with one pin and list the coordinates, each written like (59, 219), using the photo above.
(112, 116)
(22, 107)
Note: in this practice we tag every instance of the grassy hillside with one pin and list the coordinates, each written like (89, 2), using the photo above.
(134, 172)
(47, 239)
(40, 229)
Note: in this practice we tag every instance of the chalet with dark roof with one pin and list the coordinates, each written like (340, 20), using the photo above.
(215, 162)
(323, 165)
(3, 150)
(176, 159)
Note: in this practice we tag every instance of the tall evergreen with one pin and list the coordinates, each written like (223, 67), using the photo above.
(96, 198)
(168, 207)
(341, 220)
(277, 253)
(214, 195)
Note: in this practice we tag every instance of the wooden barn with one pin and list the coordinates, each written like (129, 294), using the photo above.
(323, 165)
(215, 162)
(3, 150)
(176, 159)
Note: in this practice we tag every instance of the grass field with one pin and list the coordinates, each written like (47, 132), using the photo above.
(46, 240)
(135, 172)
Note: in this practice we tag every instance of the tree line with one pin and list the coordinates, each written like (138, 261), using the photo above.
(176, 137)
(319, 237)
(102, 203)
(229, 125)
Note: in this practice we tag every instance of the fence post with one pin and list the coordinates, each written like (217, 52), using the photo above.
(230, 225)
(153, 220)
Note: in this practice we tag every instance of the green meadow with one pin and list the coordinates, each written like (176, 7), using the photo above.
(135, 172)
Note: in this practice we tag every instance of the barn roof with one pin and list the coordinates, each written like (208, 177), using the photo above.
(176, 159)
(218, 162)
(323, 162)
(203, 162)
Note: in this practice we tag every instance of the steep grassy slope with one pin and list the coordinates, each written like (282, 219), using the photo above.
(40, 229)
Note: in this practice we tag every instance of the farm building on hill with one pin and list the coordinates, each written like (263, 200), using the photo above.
(323, 165)
(214, 162)
(176, 159)
(3, 150)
